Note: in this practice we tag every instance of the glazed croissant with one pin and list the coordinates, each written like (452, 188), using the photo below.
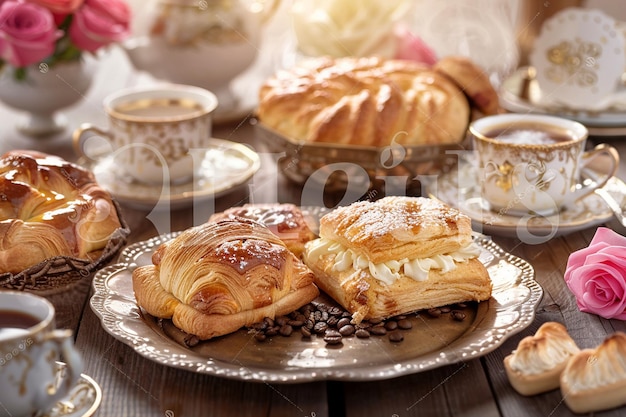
(215, 278)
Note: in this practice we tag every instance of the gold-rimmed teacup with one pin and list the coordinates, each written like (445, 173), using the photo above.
(155, 132)
(532, 164)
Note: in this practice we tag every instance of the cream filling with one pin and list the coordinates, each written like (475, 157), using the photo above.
(388, 272)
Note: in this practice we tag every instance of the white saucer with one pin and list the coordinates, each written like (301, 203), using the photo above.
(226, 166)
(82, 401)
(461, 189)
(610, 122)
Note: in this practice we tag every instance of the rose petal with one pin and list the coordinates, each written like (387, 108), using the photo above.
(609, 237)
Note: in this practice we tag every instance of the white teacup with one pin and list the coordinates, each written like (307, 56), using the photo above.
(531, 164)
(154, 131)
(29, 348)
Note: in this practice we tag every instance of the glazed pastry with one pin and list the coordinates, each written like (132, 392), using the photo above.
(374, 102)
(50, 208)
(536, 365)
(284, 220)
(397, 255)
(595, 379)
(215, 278)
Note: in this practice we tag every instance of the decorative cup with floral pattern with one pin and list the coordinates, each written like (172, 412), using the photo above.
(158, 134)
(29, 348)
(532, 164)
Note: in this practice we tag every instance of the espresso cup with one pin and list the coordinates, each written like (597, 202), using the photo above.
(30, 347)
(532, 164)
(154, 131)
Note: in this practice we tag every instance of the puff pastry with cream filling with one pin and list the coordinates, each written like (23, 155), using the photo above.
(397, 255)
(218, 277)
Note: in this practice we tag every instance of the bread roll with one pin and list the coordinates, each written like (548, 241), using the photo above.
(218, 277)
(50, 208)
(375, 102)
(397, 255)
(536, 365)
(595, 379)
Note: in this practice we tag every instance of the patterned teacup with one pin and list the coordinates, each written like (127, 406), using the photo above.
(29, 348)
(158, 134)
(531, 164)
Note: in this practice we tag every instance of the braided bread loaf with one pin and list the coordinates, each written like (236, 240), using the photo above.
(48, 208)
(375, 102)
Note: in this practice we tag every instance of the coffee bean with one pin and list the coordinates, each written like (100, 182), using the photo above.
(343, 322)
(405, 324)
(285, 330)
(347, 330)
(362, 333)
(375, 321)
(332, 337)
(396, 336)
(332, 321)
(391, 325)
(434, 312)
(272, 331)
(320, 327)
(305, 332)
(260, 337)
(378, 330)
(458, 315)
(296, 323)
(335, 311)
(445, 309)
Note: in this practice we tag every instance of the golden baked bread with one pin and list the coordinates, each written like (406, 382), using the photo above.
(369, 102)
(215, 278)
(595, 379)
(50, 208)
(284, 220)
(536, 365)
(397, 255)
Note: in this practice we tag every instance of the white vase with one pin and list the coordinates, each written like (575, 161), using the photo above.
(44, 92)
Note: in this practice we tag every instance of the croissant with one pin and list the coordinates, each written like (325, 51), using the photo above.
(50, 207)
(595, 379)
(376, 102)
(284, 220)
(397, 255)
(215, 278)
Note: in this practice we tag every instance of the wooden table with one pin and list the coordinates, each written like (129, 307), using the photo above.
(135, 386)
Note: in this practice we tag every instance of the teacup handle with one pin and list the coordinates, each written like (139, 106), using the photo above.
(80, 137)
(607, 171)
(74, 366)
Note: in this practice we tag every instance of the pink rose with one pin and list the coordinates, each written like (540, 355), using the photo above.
(413, 48)
(27, 33)
(60, 7)
(100, 22)
(597, 275)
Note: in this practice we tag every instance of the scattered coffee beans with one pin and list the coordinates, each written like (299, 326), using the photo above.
(333, 324)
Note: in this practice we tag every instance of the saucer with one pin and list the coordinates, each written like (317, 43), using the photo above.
(520, 93)
(460, 188)
(82, 401)
(226, 166)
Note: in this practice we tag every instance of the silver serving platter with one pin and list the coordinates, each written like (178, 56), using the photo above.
(431, 343)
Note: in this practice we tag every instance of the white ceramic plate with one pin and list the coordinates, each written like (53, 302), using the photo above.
(226, 166)
(82, 401)
(461, 189)
(431, 343)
